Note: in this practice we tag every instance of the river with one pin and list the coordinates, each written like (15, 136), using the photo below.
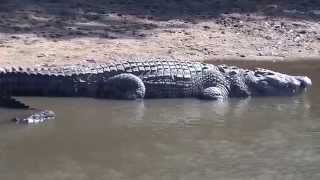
(169, 139)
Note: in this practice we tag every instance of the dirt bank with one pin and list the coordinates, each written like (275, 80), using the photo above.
(53, 32)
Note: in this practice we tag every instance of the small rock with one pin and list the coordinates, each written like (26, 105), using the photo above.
(142, 35)
(302, 31)
(79, 33)
(206, 27)
(41, 55)
(14, 37)
(91, 60)
(238, 25)
(268, 37)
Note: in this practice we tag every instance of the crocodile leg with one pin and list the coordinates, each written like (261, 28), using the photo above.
(122, 86)
(214, 93)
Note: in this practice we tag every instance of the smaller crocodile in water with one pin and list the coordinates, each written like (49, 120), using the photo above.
(38, 116)
(145, 79)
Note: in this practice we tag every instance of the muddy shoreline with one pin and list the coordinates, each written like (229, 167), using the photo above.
(53, 32)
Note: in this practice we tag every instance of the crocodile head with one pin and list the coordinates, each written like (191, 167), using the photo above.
(35, 117)
(262, 82)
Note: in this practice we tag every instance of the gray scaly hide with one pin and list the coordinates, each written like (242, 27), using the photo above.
(146, 79)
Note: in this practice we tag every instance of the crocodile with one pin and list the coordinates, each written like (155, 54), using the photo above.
(144, 79)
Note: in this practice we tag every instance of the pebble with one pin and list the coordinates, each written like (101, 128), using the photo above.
(91, 60)
(14, 37)
(302, 31)
(206, 27)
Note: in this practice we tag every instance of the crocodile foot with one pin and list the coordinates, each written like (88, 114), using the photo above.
(123, 86)
(214, 93)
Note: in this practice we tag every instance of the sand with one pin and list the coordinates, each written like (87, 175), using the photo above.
(52, 32)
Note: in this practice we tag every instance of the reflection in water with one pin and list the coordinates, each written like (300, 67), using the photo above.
(255, 138)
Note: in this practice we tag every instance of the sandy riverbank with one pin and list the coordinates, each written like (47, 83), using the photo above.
(52, 32)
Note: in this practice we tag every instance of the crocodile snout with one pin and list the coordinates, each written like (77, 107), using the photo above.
(305, 82)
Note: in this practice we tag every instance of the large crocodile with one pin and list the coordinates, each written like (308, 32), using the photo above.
(148, 79)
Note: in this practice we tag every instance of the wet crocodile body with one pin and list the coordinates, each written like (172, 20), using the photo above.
(149, 79)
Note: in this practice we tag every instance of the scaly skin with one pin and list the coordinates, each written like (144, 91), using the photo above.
(149, 79)
(182, 79)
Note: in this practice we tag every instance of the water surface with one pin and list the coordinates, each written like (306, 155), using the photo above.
(259, 138)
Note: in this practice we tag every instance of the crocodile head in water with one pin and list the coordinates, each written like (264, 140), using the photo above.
(262, 82)
(35, 117)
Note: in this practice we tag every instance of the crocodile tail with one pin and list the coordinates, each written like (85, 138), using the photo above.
(9, 102)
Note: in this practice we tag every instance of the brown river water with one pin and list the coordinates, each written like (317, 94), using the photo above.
(169, 139)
